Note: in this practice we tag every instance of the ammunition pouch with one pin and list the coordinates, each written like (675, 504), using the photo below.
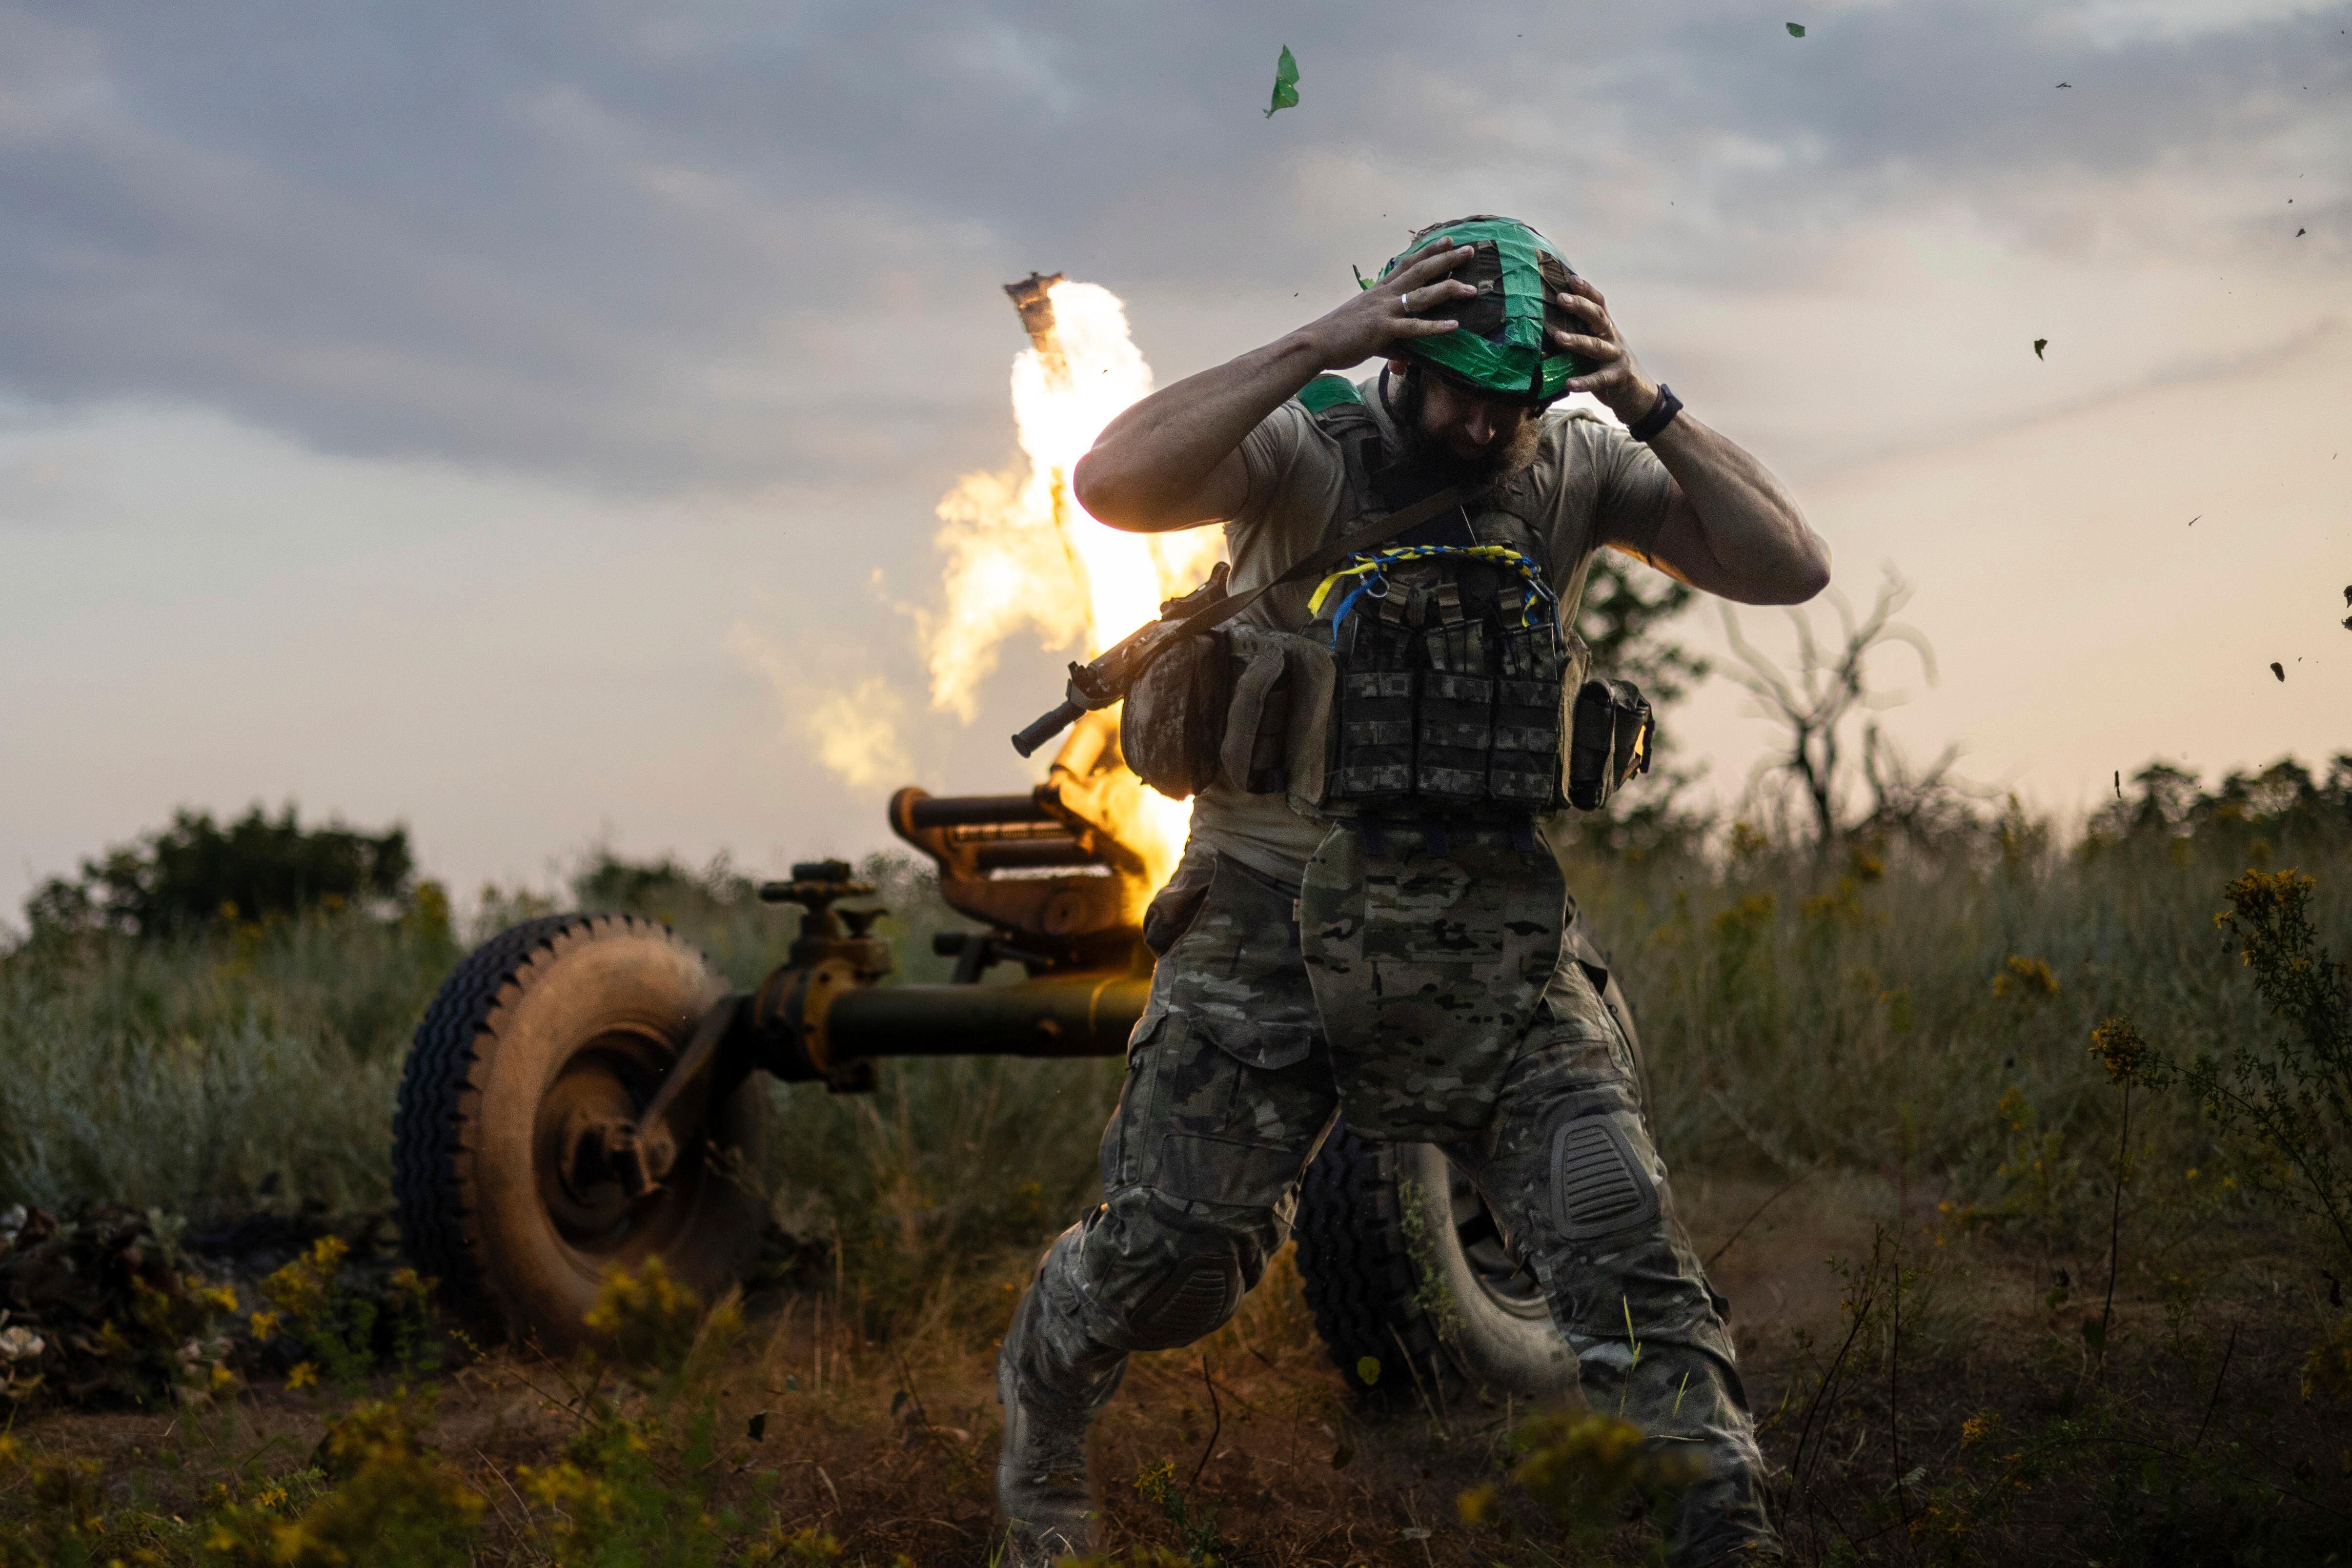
(1610, 735)
(1450, 673)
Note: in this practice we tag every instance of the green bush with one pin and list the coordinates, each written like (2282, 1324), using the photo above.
(197, 872)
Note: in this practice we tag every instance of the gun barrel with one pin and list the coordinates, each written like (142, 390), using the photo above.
(974, 810)
(1086, 1015)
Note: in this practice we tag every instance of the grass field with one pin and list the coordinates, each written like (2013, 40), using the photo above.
(2048, 1331)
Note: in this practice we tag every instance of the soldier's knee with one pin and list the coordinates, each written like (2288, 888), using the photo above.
(1194, 1299)
(1600, 1180)
(1170, 1273)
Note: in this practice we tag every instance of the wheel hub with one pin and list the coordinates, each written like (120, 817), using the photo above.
(597, 1172)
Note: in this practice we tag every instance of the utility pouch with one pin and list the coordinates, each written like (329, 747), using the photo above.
(1256, 752)
(1173, 729)
(1608, 741)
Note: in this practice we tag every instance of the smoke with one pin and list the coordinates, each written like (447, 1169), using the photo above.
(855, 730)
(856, 735)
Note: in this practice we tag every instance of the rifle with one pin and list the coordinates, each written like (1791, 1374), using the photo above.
(1113, 673)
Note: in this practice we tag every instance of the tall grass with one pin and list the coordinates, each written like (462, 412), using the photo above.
(1879, 1004)
(1888, 1005)
(210, 1072)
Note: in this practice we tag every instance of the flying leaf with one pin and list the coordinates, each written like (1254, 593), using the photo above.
(756, 1427)
(1368, 1369)
(2276, 670)
(2298, 234)
(1286, 83)
(1796, 29)
(2039, 344)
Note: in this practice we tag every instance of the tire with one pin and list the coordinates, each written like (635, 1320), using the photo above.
(1399, 1255)
(1401, 1260)
(557, 1018)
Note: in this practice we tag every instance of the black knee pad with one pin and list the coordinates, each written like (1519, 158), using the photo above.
(1597, 1185)
(1195, 1299)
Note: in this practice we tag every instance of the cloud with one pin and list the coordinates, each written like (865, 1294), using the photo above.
(739, 245)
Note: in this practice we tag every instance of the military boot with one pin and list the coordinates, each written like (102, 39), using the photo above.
(1042, 1480)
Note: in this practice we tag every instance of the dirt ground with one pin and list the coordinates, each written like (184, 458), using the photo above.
(890, 1450)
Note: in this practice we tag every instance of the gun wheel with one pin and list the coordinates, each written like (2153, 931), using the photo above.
(547, 1036)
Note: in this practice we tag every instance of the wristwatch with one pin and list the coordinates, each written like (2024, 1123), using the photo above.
(1661, 416)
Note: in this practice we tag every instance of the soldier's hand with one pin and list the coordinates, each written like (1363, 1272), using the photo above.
(1393, 309)
(1610, 371)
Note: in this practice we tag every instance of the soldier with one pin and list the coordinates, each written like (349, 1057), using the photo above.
(1379, 925)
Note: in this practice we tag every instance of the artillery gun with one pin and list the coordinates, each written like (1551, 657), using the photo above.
(582, 1092)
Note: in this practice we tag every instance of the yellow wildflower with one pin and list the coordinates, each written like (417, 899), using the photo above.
(302, 1375)
(2118, 1044)
(2024, 977)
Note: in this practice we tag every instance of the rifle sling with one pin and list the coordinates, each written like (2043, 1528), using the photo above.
(1370, 537)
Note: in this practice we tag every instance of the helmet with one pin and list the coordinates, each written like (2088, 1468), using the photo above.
(1500, 350)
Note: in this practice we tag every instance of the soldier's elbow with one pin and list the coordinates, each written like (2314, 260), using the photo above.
(1810, 575)
(1095, 484)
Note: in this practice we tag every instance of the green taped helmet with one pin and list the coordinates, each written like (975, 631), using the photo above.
(1501, 350)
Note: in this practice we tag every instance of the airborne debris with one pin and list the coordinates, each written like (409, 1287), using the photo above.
(2276, 670)
(2119, 784)
(1286, 83)
(1796, 29)
(2041, 343)
(2065, 84)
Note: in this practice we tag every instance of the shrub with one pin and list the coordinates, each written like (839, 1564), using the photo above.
(197, 871)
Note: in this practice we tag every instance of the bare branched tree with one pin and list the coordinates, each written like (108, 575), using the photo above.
(1813, 706)
(1922, 805)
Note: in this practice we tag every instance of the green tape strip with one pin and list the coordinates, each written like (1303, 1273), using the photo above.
(1506, 369)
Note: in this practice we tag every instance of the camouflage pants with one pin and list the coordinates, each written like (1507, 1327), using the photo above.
(1229, 1092)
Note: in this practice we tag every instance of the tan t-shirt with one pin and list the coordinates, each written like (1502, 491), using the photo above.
(1595, 485)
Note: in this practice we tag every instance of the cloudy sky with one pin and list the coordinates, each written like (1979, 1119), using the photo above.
(403, 407)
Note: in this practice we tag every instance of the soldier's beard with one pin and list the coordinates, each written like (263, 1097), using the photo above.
(1429, 452)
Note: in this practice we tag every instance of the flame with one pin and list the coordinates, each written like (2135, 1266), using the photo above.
(1023, 553)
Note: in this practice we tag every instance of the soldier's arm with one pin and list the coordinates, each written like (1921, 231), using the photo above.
(1174, 460)
(1731, 528)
